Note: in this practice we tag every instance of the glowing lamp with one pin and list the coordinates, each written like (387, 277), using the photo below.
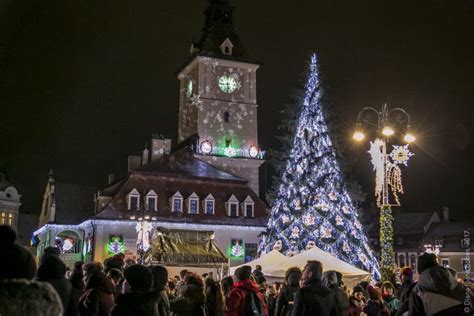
(254, 151)
(147, 217)
(132, 217)
(388, 131)
(206, 147)
(409, 138)
(358, 136)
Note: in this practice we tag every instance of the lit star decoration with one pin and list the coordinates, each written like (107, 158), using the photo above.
(313, 190)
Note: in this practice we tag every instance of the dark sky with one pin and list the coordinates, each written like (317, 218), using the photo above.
(85, 83)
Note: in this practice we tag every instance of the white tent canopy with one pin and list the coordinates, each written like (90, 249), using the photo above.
(274, 265)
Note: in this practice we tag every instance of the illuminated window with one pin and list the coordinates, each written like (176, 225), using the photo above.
(445, 262)
(10, 219)
(193, 204)
(209, 205)
(3, 219)
(177, 203)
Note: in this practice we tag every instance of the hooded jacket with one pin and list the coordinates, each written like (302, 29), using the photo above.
(137, 304)
(20, 297)
(98, 299)
(330, 280)
(237, 301)
(314, 299)
(438, 293)
(52, 270)
(191, 303)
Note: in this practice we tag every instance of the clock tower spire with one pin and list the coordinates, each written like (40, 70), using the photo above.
(218, 99)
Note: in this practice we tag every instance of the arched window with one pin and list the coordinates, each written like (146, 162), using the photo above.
(226, 117)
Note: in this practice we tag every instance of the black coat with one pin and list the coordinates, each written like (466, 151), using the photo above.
(52, 270)
(284, 304)
(191, 303)
(137, 304)
(314, 299)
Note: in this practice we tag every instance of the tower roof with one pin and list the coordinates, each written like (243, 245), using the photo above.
(219, 27)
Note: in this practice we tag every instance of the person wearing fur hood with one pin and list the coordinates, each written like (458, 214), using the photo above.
(437, 292)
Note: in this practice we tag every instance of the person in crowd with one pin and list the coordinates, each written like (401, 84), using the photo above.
(214, 298)
(245, 297)
(284, 304)
(115, 262)
(314, 298)
(271, 296)
(140, 300)
(375, 305)
(226, 286)
(160, 280)
(406, 275)
(19, 295)
(330, 280)
(365, 287)
(258, 274)
(181, 283)
(356, 301)
(171, 290)
(77, 288)
(389, 298)
(437, 291)
(192, 300)
(53, 271)
(117, 276)
(99, 295)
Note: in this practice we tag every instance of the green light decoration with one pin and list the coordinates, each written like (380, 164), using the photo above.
(116, 245)
(386, 242)
(237, 249)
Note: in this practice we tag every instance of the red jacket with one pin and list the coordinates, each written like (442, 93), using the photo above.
(236, 302)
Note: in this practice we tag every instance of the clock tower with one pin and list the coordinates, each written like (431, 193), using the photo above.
(218, 98)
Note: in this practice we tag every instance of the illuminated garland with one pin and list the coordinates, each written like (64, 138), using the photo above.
(386, 243)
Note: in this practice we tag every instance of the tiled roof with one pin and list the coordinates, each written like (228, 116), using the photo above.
(182, 163)
(404, 222)
(450, 233)
(74, 202)
(181, 171)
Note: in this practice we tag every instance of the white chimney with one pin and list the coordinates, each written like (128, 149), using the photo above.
(110, 178)
(445, 214)
(145, 155)
(159, 147)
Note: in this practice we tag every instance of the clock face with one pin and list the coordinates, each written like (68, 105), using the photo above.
(227, 84)
(189, 88)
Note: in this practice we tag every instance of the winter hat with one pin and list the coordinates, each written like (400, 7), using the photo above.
(425, 261)
(139, 277)
(17, 262)
(160, 277)
(243, 273)
(406, 271)
(358, 289)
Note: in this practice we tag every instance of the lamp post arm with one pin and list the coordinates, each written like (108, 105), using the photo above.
(402, 111)
(367, 109)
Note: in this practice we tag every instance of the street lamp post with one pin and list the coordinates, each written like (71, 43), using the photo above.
(388, 173)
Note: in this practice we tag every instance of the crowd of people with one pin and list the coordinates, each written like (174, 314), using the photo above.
(121, 287)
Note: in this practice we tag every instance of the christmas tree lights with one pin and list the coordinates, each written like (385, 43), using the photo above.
(313, 207)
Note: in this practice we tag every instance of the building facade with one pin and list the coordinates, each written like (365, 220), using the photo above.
(9, 203)
(209, 182)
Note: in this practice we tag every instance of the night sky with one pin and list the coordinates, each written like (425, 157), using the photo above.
(83, 84)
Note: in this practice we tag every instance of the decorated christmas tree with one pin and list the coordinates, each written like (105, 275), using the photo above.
(313, 207)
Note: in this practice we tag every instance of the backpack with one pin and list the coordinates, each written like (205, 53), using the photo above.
(253, 306)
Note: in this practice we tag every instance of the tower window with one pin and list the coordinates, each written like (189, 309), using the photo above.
(226, 117)
(227, 143)
(187, 121)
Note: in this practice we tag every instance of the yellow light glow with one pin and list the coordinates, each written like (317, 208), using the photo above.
(358, 136)
(388, 131)
(409, 138)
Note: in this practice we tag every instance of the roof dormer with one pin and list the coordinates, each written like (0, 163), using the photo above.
(248, 207)
(232, 206)
(226, 47)
(133, 200)
(209, 205)
(193, 204)
(177, 202)
(151, 200)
